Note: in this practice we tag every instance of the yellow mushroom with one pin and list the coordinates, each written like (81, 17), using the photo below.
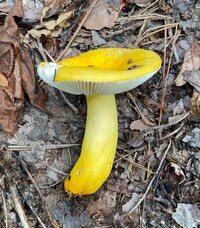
(99, 74)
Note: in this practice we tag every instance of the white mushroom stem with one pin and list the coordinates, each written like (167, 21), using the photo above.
(99, 146)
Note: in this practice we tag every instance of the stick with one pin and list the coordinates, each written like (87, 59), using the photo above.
(152, 180)
(77, 30)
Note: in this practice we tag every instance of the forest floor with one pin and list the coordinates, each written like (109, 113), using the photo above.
(155, 180)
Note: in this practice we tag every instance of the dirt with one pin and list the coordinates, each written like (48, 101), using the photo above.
(155, 179)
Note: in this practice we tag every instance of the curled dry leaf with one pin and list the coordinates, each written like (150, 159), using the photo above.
(17, 74)
(191, 67)
(173, 175)
(195, 103)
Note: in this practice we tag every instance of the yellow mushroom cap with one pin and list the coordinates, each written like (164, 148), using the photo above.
(101, 71)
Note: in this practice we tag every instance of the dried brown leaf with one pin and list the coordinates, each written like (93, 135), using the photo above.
(35, 93)
(138, 125)
(104, 15)
(3, 80)
(17, 74)
(51, 28)
(104, 205)
(190, 70)
(174, 174)
(38, 33)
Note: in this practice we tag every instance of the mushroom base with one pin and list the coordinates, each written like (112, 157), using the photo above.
(98, 149)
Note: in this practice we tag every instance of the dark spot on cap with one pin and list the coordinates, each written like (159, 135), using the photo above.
(133, 67)
(129, 61)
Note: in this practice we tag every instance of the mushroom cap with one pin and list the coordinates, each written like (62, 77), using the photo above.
(101, 71)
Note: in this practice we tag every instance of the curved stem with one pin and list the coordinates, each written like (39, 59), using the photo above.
(98, 149)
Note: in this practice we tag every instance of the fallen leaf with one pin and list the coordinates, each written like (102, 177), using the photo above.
(104, 205)
(194, 139)
(190, 70)
(51, 28)
(3, 80)
(131, 203)
(97, 40)
(175, 118)
(179, 108)
(138, 125)
(187, 215)
(50, 25)
(174, 175)
(102, 16)
(193, 78)
(17, 68)
(38, 33)
(195, 103)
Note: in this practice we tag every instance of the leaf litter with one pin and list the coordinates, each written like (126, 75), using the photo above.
(17, 74)
(156, 167)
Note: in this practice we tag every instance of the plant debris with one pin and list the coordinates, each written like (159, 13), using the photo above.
(187, 215)
(155, 180)
(17, 73)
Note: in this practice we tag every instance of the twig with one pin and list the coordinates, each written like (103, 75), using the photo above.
(192, 182)
(130, 153)
(175, 50)
(152, 180)
(140, 34)
(99, 4)
(185, 115)
(36, 215)
(156, 30)
(51, 185)
(68, 102)
(77, 30)
(53, 221)
(165, 77)
(18, 206)
(171, 39)
(149, 162)
(41, 50)
(148, 7)
(50, 57)
(56, 170)
(46, 147)
(140, 112)
(153, 41)
(5, 208)
(135, 164)
(171, 133)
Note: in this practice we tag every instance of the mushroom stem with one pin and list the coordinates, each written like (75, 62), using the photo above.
(98, 149)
